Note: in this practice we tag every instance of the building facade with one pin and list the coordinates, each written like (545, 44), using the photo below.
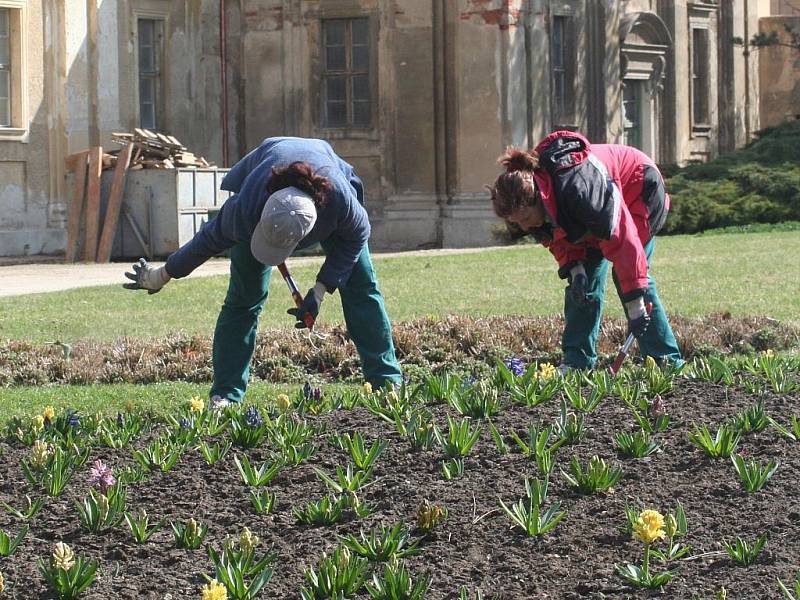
(420, 96)
(779, 65)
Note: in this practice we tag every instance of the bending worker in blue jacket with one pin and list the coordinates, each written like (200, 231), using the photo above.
(288, 193)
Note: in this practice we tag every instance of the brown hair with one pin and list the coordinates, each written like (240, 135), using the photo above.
(515, 188)
(301, 175)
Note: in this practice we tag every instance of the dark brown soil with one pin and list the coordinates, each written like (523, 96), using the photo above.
(476, 546)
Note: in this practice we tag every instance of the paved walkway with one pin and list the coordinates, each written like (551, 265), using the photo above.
(21, 279)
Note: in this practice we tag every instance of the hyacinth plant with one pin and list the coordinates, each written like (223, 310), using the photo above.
(159, 455)
(529, 515)
(326, 511)
(348, 482)
(257, 477)
(479, 401)
(720, 445)
(636, 445)
(648, 528)
(460, 437)
(789, 591)
(569, 428)
(382, 543)
(429, 516)
(363, 457)
(9, 544)
(59, 468)
(140, 527)
(214, 590)
(753, 475)
(66, 574)
(598, 476)
(189, 535)
(396, 583)
(236, 567)
(121, 431)
(750, 420)
(791, 431)
(30, 510)
(744, 553)
(216, 453)
(247, 429)
(262, 501)
(340, 575)
(528, 386)
(675, 526)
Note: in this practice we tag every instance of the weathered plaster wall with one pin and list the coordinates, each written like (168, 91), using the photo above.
(779, 69)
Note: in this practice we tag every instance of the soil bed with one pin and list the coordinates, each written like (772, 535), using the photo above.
(475, 546)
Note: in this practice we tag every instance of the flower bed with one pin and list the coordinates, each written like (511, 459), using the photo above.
(443, 486)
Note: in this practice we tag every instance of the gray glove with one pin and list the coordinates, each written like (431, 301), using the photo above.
(145, 277)
(578, 284)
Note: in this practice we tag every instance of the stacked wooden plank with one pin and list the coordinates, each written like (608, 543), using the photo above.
(154, 150)
(87, 238)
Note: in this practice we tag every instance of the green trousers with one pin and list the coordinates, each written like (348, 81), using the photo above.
(582, 323)
(237, 324)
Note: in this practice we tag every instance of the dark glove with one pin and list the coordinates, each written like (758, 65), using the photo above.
(309, 306)
(145, 277)
(578, 284)
(638, 318)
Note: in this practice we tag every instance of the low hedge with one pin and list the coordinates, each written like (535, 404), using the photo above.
(459, 344)
(759, 183)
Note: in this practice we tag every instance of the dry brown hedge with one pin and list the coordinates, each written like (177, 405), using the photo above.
(463, 344)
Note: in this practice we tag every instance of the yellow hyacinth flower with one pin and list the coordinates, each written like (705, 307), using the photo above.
(214, 590)
(768, 353)
(650, 363)
(649, 527)
(37, 423)
(63, 558)
(247, 540)
(283, 402)
(49, 413)
(546, 370)
(368, 388)
(2, 583)
(40, 453)
(197, 404)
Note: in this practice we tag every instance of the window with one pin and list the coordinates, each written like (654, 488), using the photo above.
(700, 84)
(346, 86)
(5, 67)
(632, 112)
(151, 35)
(562, 68)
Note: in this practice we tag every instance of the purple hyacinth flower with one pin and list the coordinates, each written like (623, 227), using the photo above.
(185, 423)
(311, 393)
(120, 420)
(73, 419)
(253, 418)
(515, 365)
(102, 476)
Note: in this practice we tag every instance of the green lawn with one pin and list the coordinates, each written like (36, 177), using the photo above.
(160, 398)
(745, 274)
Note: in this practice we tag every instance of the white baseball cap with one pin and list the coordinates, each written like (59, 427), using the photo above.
(288, 216)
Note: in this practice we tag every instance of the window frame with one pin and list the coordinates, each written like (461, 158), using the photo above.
(17, 128)
(563, 112)
(700, 78)
(349, 73)
(162, 91)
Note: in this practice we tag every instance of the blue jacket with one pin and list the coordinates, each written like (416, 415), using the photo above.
(343, 220)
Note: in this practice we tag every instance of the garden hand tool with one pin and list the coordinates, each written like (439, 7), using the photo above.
(623, 352)
(308, 318)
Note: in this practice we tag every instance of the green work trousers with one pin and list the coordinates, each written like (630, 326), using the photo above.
(237, 324)
(582, 323)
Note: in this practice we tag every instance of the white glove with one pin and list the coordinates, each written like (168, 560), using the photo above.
(635, 308)
(145, 277)
(319, 291)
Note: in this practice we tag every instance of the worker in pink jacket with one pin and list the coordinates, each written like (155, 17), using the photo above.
(592, 205)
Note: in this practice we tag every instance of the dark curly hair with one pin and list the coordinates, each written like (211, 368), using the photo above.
(515, 188)
(301, 175)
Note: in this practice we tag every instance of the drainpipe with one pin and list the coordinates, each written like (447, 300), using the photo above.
(747, 63)
(223, 59)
